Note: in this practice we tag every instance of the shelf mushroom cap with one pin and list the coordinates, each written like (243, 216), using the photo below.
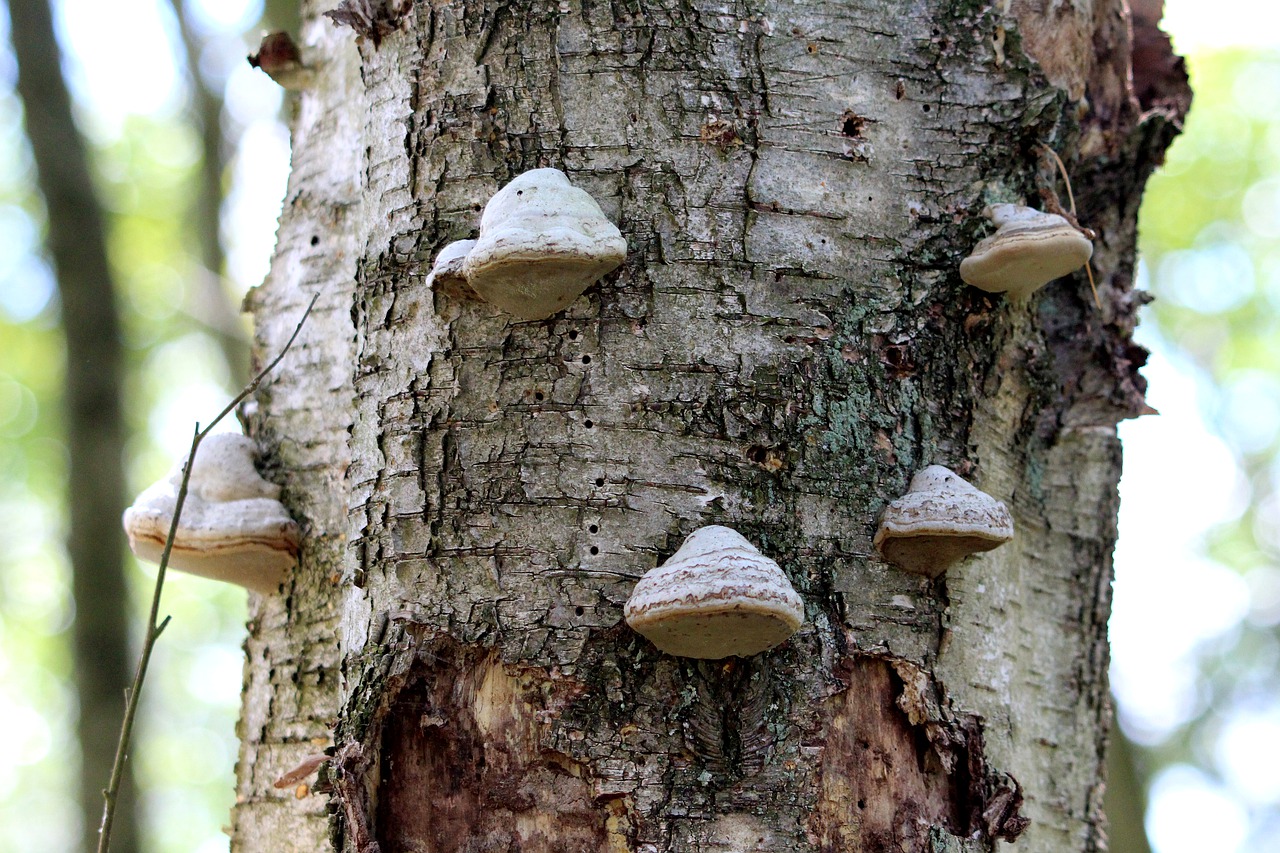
(233, 527)
(717, 596)
(446, 273)
(1028, 250)
(939, 521)
(542, 243)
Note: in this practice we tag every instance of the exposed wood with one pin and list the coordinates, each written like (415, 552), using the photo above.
(471, 731)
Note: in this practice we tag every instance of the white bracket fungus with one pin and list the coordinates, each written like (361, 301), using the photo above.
(542, 243)
(717, 596)
(1028, 250)
(939, 521)
(233, 526)
(446, 273)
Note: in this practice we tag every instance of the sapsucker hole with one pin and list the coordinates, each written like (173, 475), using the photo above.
(852, 124)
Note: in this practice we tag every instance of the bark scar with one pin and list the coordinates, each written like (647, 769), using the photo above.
(899, 758)
(371, 19)
(995, 798)
(350, 788)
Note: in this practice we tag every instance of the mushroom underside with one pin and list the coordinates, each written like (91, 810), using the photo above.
(933, 554)
(1019, 264)
(536, 288)
(740, 630)
(254, 563)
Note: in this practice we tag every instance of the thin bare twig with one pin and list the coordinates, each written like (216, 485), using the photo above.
(1062, 170)
(154, 628)
(1071, 198)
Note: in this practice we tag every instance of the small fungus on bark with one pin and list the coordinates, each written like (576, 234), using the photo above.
(446, 273)
(939, 521)
(542, 243)
(717, 596)
(233, 527)
(1029, 249)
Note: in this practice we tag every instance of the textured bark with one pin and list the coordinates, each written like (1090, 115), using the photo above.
(93, 420)
(786, 344)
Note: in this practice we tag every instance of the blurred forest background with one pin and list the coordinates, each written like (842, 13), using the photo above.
(184, 146)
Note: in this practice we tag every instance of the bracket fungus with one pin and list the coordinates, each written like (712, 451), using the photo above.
(446, 273)
(1029, 249)
(717, 596)
(233, 527)
(939, 521)
(542, 243)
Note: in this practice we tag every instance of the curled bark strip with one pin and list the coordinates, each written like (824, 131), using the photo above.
(308, 766)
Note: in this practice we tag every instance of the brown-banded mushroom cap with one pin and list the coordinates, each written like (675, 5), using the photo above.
(939, 521)
(542, 242)
(233, 527)
(717, 596)
(1029, 249)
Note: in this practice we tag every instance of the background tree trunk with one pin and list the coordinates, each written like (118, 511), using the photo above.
(786, 344)
(93, 417)
(211, 302)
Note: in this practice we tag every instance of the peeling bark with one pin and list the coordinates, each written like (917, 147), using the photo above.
(900, 763)
(464, 764)
(786, 344)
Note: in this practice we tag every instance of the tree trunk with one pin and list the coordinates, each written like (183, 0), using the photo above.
(92, 412)
(209, 292)
(786, 344)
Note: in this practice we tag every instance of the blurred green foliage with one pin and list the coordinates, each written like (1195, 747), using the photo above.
(1210, 242)
(186, 746)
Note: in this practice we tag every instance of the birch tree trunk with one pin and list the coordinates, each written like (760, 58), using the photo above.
(786, 344)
